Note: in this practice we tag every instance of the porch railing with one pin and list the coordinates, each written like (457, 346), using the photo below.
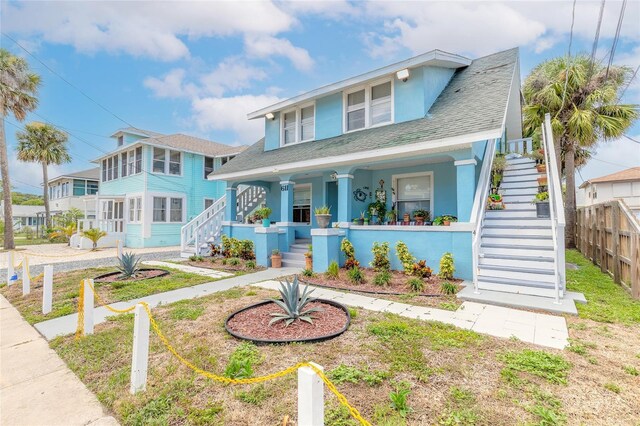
(517, 146)
(248, 199)
(107, 225)
(479, 203)
(556, 206)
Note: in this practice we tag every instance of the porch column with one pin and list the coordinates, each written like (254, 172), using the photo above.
(466, 187)
(345, 185)
(286, 201)
(231, 204)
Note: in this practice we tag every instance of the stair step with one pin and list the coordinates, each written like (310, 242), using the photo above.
(515, 250)
(510, 287)
(538, 241)
(519, 172)
(546, 258)
(524, 198)
(519, 206)
(511, 213)
(293, 256)
(513, 230)
(543, 276)
(508, 192)
(520, 160)
(521, 184)
(517, 262)
(293, 264)
(533, 178)
(517, 221)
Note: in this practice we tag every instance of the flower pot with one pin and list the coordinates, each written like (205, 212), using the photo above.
(360, 222)
(446, 222)
(366, 222)
(266, 223)
(391, 222)
(542, 209)
(542, 181)
(542, 168)
(276, 261)
(406, 218)
(308, 263)
(419, 221)
(323, 220)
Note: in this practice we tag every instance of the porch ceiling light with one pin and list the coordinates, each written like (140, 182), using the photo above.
(269, 116)
(403, 74)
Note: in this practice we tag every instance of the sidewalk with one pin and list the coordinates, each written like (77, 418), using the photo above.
(36, 387)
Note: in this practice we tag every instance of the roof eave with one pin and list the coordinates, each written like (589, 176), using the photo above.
(436, 57)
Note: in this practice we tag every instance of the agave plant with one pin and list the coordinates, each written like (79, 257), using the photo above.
(293, 303)
(128, 265)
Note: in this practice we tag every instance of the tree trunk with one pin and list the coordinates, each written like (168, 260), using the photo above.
(570, 195)
(560, 143)
(6, 190)
(45, 185)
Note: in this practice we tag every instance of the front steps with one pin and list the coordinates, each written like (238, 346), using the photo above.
(516, 247)
(294, 258)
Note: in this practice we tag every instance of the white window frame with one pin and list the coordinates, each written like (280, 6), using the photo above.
(367, 104)
(167, 160)
(298, 124)
(136, 212)
(204, 165)
(167, 198)
(394, 180)
(300, 186)
(204, 202)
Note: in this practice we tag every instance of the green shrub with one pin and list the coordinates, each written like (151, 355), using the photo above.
(355, 275)
(449, 288)
(224, 261)
(406, 258)
(420, 269)
(307, 272)
(380, 257)
(382, 278)
(399, 397)
(333, 271)
(233, 261)
(416, 284)
(251, 264)
(447, 267)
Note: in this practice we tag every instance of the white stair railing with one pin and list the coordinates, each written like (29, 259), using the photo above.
(519, 146)
(556, 206)
(480, 203)
(248, 199)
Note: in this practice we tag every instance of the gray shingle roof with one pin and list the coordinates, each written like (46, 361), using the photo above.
(93, 173)
(182, 142)
(138, 131)
(475, 100)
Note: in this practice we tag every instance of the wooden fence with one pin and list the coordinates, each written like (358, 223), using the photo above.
(609, 235)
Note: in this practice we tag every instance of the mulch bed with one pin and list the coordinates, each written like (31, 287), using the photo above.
(216, 263)
(143, 274)
(253, 323)
(398, 284)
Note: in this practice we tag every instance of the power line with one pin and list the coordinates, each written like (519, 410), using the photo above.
(629, 83)
(67, 81)
(631, 139)
(613, 164)
(566, 76)
(616, 38)
(594, 48)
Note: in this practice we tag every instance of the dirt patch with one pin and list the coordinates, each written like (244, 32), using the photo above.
(222, 264)
(142, 274)
(253, 323)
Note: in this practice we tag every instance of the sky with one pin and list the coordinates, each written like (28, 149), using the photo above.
(199, 67)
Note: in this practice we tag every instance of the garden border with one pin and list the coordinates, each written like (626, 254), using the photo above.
(108, 274)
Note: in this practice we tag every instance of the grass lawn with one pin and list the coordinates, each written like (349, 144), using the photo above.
(66, 287)
(396, 371)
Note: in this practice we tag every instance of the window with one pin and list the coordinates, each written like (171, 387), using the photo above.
(371, 106)
(414, 191)
(159, 209)
(123, 158)
(208, 166)
(51, 192)
(208, 202)
(225, 160)
(298, 125)
(158, 160)
(110, 168)
(302, 203)
(135, 209)
(174, 162)
(120, 140)
(175, 214)
(104, 170)
(92, 188)
(79, 187)
(138, 160)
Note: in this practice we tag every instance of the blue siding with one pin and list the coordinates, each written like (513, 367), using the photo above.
(409, 101)
(435, 80)
(272, 133)
(329, 116)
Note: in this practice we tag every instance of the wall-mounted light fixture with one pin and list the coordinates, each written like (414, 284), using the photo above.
(334, 176)
(403, 74)
(269, 116)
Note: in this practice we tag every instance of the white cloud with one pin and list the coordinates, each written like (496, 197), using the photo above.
(171, 85)
(334, 9)
(232, 74)
(27, 177)
(267, 46)
(230, 113)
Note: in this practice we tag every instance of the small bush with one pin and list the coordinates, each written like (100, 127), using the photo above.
(333, 271)
(241, 361)
(353, 312)
(307, 273)
(355, 275)
(449, 288)
(382, 278)
(225, 261)
(233, 261)
(420, 269)
(351, 263)
(447, 267)
(416, 284)
(251, 264)
(399, 397)
(406, 258)
(344, 373)
(380, 257)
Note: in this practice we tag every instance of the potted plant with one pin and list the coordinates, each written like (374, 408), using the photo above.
(276, 259)
(406, 219)
(264, 214)
(447, 219)
(366, 219)
(420, 216)
(391, 217)
(542, 181)
(323, 216)
(361, 218)
(541, 200)
(308, 258)
(495, 202)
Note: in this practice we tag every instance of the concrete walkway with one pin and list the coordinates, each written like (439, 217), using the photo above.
(188, 268)
(66, 325)
(541, 329)
(36, 387)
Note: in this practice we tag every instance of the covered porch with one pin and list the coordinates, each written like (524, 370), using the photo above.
(105, 213)
(442, 183)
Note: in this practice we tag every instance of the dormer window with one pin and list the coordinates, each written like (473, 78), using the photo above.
(298, 125)
(120, 140)
(369, 106)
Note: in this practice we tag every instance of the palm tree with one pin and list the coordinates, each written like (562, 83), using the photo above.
(587, 112)
(42, 143)
(18, 89)
(64, 232)
(94, 234)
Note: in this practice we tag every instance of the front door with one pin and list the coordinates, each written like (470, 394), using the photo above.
(118, 216)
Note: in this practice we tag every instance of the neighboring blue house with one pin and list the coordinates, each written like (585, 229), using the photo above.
(152, 184)
(418, 134)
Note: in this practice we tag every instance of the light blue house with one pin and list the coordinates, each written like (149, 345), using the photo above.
(418, 134)
(152, 184)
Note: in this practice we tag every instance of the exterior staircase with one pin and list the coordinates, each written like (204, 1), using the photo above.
(294, 258)
(517, 253)
(206, 228)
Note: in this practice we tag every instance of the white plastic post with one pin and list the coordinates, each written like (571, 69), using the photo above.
(140, 356)
(47, 289)
(26, 281)
(119, 249)
(10, 269)
(310, 397)
(88, 307)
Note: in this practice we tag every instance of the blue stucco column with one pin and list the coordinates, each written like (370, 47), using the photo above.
(266, 240)
(326, 247)
(286, 201)
(345, 190)
(231, 205)
(466, 187)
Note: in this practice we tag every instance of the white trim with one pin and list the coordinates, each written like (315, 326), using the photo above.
(167, 196)
(269, 230)
(204, 163)
(433, 58)
(297, 125)
(348, 176)
(287, 182)
(415, 149)
(230, 189)
(454, 227)
(394, 182)
(327, 232)
(469, 161)
(367, 104)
